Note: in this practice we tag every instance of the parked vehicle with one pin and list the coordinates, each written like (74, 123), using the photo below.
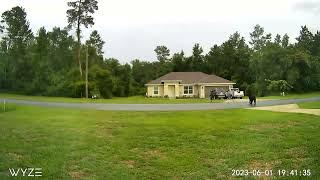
(221, 95)
(232, 93)
(235, 93)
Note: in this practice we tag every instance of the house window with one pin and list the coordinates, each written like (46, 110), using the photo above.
(188, 90)
(155, 89)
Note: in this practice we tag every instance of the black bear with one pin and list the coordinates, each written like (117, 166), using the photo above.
(252, 100)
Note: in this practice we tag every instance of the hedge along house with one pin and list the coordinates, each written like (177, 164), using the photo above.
(187, 84)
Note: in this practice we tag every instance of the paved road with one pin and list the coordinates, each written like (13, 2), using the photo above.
(159, 107)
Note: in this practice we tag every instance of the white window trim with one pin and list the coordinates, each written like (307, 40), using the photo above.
(188, 90)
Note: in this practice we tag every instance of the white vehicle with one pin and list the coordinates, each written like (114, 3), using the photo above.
(235, 93)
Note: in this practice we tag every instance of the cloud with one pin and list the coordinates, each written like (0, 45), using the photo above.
(308, 6)
(132, 29)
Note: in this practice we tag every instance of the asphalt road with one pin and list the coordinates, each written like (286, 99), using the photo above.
(159, 107)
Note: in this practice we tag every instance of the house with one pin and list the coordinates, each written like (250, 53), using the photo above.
(187, 84)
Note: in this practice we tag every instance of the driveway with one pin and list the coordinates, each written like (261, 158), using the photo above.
(290, 108)
(160, 107)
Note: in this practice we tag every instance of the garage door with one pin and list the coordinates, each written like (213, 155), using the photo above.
(218, 88)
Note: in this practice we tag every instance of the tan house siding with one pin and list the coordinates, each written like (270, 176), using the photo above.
(165, 90)
(177, 89)
(173, 90)
(195, 90)
(150, 91)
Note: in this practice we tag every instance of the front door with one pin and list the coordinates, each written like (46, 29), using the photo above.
(171, 91)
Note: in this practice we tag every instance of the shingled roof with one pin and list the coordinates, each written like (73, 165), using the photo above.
(190, 78)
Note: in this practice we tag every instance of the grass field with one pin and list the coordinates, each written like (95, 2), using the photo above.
(156, 145)
(293, 96)
(114, 100)
(310, 105)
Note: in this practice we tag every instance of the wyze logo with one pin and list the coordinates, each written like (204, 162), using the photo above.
(28, 172)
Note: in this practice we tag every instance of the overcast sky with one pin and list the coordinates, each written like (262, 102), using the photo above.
(133, 28)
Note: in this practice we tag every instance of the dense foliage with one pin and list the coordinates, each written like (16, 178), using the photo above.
(48, 62)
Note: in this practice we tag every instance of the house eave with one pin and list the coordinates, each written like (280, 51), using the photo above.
(171, 81)
(232, 83)
(152, 84)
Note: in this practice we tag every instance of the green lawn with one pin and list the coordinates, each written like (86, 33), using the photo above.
(294, 96)
(310, 105)
(71, 143)
(114, 100)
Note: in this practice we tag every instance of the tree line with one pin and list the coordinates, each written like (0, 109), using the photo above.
(53, 62)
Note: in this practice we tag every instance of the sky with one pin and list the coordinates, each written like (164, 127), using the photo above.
(133, 28)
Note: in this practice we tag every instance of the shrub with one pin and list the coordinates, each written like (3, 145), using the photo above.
(100, 81)
(278, 85)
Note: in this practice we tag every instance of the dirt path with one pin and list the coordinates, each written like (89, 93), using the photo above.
(291, 108)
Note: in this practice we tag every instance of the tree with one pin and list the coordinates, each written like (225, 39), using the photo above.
(80, 13)
(299, 70)
(3, 66)
(101, 83)
(95, 46)
(277, 39)
(230, 60)
(197, 58)
(40, 62)
(17, 37)
(47, 63)
(285, 41)
(95, 41)
(213, 60)
(62, 73)
(268, 63)
(305, 39)
(278, 85)
(61, 50)
(142, 72)
(1, 28)
(315, 50)
(122, 77)
(178, 63)
(259, 38)
(126, 79)
(163, 53)
(164, 65)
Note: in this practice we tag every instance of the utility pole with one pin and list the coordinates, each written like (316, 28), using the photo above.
(87, 56)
